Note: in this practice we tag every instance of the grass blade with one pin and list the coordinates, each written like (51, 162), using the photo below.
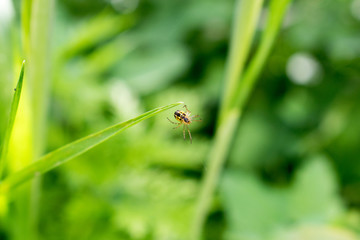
(74, 149)
(236, 95)
(246, 16)
(277, 11)
(13, 111)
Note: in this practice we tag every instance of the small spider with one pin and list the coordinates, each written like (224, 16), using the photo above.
(184, 118)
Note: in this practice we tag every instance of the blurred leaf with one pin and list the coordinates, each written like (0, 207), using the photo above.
(106, 56)
(147, 70)
(146, 203)
(255, 145)
(325, 25)
(314, 193)
(297, 108)
(71, 150)
(258, 210)
(255, 141)
(251, 207)
(94, 32)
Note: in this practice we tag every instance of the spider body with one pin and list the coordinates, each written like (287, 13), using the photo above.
(184, 118)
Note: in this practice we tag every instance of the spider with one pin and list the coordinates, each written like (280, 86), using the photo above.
(184, 119)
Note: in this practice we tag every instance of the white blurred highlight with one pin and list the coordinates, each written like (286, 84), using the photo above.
(303, 69)
(6, 11)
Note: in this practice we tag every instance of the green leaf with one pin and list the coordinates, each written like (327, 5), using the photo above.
(250, 205)
(13, 111)
(257, 210)
(74, 149)
(316, 179)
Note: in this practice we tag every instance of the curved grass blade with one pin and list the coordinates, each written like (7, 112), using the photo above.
(74, 149)
(244, 89)
(246, 16)
(229, 120)
(13, 111)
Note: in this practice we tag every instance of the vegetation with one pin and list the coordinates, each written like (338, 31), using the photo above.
(275, 83)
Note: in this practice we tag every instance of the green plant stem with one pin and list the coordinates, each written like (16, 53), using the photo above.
(72, 150)
(223, 138)
(25, 22)
(277, 10)
(244, 24)
(39, 68)
(36, 35)
(233, 105)
(245, 18)
(13, 111)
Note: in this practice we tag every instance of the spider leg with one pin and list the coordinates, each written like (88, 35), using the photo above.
(172, 121)
(178, 125)
(187, 109)
(189, 133)
(184, 131)
(196, 120)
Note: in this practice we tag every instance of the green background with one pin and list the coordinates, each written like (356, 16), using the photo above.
(292, 172)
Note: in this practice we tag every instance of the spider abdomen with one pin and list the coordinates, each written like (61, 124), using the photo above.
(181, 116)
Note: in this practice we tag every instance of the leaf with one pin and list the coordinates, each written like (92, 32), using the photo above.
(256, 210)
(13, 111)
(74, 149)
(147, 71)
(314, 193)
(250, 205)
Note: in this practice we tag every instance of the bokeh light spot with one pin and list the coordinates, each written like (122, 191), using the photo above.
(303, 69)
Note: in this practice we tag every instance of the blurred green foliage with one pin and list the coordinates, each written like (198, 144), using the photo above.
(292, 171)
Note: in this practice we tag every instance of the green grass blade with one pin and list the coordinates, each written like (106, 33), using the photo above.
(277, 12)
(13, 111)
(25, 22)
(246, 16)
(233, 105)
(74, 149)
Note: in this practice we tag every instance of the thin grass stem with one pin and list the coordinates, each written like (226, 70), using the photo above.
(277, 10)
(236, 94)
(244, 24)
(246, 16)
(36, 32)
